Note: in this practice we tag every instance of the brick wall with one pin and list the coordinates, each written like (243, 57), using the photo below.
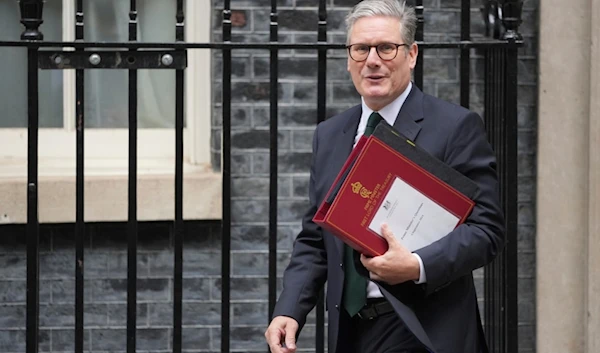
(105, 261)
(527, 147)
(105, 291)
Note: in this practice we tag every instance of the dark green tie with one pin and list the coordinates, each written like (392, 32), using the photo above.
(355, 286)
(374, 119)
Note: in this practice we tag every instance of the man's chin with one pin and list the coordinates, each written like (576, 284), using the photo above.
(376, 102)
(376, 96)
(376, 91)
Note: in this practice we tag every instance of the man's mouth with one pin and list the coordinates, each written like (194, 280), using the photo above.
(375, 78)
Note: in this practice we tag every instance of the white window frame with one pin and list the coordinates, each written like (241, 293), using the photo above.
(105, 150)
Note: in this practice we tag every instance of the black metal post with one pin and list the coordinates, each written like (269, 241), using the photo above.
(226, 171)
(494, 116)
(178, 227)
(511, 19)
(273, 153)
(132, 224)
(418, 72)
(31, 18)
(510, 196)
(33, 226)
(80, 221)
(501, 314)
(465, 54)
(322, 65)
(321, 115)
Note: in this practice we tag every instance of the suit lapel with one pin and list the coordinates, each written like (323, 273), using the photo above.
(343, 147)
(410, 113)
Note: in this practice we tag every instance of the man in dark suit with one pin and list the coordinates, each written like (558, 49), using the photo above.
(421, 301)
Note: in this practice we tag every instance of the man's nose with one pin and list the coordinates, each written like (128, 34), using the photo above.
(373, 57)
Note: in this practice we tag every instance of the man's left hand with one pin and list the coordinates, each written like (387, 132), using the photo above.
(396, 266)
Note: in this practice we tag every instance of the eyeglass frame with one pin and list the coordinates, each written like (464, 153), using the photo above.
(349, 47)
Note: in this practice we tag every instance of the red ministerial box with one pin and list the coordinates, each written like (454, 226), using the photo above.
(361, 193)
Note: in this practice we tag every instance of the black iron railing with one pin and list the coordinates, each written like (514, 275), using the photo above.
(500, 111)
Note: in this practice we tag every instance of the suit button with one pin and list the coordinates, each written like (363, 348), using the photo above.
(341, 265)
(337, 306)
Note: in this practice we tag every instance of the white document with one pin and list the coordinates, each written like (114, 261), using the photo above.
(415, 220)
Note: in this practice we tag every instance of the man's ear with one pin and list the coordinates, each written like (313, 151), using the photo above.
(413, 53)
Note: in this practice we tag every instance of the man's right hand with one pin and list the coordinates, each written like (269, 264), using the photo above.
(281, 334)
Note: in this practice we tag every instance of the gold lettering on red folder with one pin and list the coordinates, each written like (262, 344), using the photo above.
(373, 199)
(358, 188)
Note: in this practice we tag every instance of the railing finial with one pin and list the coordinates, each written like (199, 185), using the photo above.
(511, 18)
(31, 18)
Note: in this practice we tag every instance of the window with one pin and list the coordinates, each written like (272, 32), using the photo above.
(106, 113)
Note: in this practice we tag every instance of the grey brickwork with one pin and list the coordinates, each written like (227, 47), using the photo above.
(527, 142)
(105, 291)
(106, 259)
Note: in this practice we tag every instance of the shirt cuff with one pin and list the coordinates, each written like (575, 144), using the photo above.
(422, 276)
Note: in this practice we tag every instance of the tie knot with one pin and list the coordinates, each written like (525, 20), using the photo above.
(374, 119)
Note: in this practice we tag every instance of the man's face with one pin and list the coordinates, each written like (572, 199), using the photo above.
(379, 81)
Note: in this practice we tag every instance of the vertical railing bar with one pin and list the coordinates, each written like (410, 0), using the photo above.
(273, 153)
(493, 130)
(494, 265)
(500, 152)
(489, 121)
(465, 63)
(418, 72)
(499, 148)
(80, 205)
(33, 226)
(226, 171)
(511, 259)
(499, 139)
(502, 137)
(178, 231)
(512, 11)
(322, 63)
(31, 17)
(502, 172)
(132, 226)
(492, 283)
(321, 115)
(491, 280)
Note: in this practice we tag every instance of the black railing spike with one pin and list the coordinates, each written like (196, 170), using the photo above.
(31, 18)
(511, 18)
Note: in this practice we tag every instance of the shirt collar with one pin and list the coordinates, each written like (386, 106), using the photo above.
(389, 112)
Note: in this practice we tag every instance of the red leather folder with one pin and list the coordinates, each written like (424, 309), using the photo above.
(363, 190)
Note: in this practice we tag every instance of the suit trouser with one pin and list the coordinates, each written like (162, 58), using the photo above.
(384, 334)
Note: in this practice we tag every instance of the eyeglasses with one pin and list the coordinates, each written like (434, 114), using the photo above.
(386, 51)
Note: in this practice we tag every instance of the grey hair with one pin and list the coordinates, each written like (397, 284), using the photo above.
(392, 8)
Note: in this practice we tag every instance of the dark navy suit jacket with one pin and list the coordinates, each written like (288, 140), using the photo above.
(443, 313)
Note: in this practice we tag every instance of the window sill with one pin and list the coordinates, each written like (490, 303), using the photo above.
(106, 191)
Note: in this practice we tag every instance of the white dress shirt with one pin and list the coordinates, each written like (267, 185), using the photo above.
(389, 113)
